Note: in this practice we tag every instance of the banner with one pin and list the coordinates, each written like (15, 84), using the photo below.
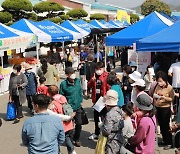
(123, 16)
(142, 59)
(18, 42)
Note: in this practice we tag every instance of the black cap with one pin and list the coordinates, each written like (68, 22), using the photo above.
(69, 70)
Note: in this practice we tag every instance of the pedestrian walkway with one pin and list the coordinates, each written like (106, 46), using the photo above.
(10, 139)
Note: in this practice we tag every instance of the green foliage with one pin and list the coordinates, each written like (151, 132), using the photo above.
(154, 5)
(77, 13)
(9, 23)
(47, 6)
(134, 18)
(5, 17)
(57, 20)
(97, 16)
(75, 19)
(17, 5)
(64, 17)
(32, 16)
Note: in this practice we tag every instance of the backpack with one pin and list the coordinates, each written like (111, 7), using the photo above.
(67, 109)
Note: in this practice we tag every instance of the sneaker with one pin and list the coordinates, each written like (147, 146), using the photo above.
(74, 152)
(77, 143)
(93, 137)
(16, 121)
(167, 147)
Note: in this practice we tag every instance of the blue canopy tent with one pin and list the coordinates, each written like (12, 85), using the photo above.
(46, 31)
(73, 27)
(150, 25)
(167, 40)
(107, 24)
(84, 25)
(115, 24)
(97, 24)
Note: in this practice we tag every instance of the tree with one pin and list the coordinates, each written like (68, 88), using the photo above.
(49, 7)
(32, 16)
(56, 20)
(154, 5)
(17, 8)
(134, 18)
(97, 16)
(77, 13)
(64, 17)
(5, 17)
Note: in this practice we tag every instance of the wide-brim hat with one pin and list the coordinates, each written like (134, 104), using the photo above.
(135, 75)
(27, 66)
(139, 82)
(111, 98)
(144, 102)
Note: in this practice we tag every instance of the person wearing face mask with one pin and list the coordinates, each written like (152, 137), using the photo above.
(163, 98)
(17, 90)
(31, 87)
(71, 89)
(126, 85)
(99, 86)
(54, 55)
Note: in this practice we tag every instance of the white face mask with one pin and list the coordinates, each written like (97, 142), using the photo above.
(54, 50)
(73, 76)
(124, 74)
(99, 72)
(15, 71)
(29, 71)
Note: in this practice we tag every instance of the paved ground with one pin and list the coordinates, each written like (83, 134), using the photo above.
(10, 134)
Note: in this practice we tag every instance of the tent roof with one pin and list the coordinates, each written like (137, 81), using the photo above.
(151, 24)
(109, 25)
(165, 40)
(46, 30)
(73, 27)
(97, 24)
(84, 25)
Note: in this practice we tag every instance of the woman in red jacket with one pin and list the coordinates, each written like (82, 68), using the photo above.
(99, 86)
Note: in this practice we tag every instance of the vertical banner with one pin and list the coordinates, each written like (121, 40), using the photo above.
(142, 59)
(123, 16)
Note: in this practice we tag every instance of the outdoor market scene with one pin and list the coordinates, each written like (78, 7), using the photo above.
(90, 76)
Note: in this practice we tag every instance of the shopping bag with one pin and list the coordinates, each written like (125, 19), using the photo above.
(84, 117)
(11, 111)
(100, 146)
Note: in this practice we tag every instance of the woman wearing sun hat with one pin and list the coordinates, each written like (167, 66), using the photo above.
(144, 138)
(113, 123)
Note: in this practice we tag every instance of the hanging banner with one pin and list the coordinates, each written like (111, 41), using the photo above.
(123, 16)
(9, 52)
(18, 51)
(24, 41)
(142, 59)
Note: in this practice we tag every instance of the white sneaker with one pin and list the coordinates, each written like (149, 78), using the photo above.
(93, 137)
(74, 152)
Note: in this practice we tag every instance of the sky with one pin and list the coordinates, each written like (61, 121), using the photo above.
(130, 3)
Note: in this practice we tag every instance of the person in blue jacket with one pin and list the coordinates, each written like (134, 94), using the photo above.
(114, 82)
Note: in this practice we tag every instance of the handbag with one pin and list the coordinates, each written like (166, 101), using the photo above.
(129, 147)
(84, 118)
(11, 111)
(100, 146)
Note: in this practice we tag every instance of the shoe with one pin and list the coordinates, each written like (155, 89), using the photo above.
(93, 137)
(77, 143)
(167, 147)
(16, 121)
(21, 117)
(74, 152)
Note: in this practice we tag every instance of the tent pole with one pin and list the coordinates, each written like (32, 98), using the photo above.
(2, 62)
(37, 51)
(63, 45)
(137, 60)
(105, 56)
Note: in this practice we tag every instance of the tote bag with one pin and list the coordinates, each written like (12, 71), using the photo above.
(100, 146)
(11, 111)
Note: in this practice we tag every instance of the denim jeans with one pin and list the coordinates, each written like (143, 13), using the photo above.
(68, 141)
(127, 98)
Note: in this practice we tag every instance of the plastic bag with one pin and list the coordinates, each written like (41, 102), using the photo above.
(11, 111)
(84, 84)
(100, 146)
